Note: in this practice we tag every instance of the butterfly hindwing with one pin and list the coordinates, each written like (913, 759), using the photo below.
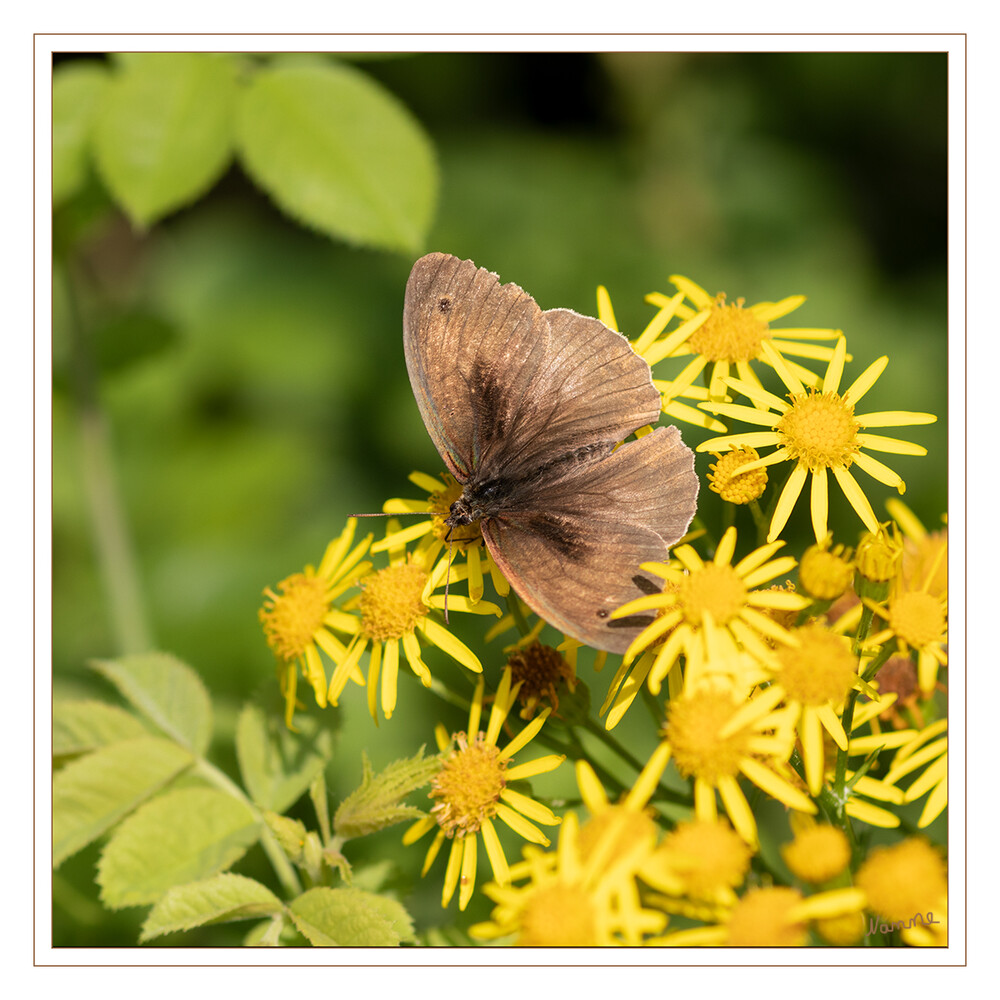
(574, 555)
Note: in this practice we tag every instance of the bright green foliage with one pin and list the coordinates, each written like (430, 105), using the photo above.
(350, 917)
(77, 91)
(212, 901)
(338, 153)
(179, 837)
(334, 150)
(175, 823)
(93, 793)
(81, 726)
(169, 693)
(376, 804)
(164, 134)
(278, 767)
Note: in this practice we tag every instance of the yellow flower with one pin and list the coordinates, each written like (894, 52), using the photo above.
(396, 603)
(473, 788)
(650, 349)
(635, 830)
(779, 917)
(299, 617)
(708, 611)
(917, 752)
(585, 893)
(818, 853)
(698, 865)
(918, 621)
(573, 897)
(714, 735)
(825, 573)
(731, 483)
(814, 678)
(818, 431)
(878, 557)
(772, 917)
(921, 550)
(436, 535)
(903, 881)
(731, 334)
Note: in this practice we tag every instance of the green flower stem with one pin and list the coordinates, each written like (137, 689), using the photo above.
(761, 521)
(830, 805)
(115, 554)
(514, 607)
(282, 866)
(864, 627)
(835, 799)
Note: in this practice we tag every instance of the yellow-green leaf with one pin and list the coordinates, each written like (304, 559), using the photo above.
(178, 837)
(92, 793)
(339, 153)
(164, 133)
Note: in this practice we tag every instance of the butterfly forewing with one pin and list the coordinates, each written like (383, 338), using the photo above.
(472, 348)
(506, 389)
(525, 408)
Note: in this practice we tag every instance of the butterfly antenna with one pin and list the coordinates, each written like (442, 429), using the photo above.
(397, 513)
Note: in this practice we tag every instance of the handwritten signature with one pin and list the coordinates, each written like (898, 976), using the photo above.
(876, 923)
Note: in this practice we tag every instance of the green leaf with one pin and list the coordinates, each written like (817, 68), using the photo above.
(77, 89)
(214, 900)
(166, 691)
(339, 153)
(289, 832)
(91, 794)
(377, 802)
(164, 134)
(178, 837)
(350, 918)
(81, 726)
(279, 766)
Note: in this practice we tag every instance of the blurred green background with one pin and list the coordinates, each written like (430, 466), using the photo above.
(255, 388)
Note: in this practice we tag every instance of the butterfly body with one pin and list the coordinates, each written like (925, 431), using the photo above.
(528, 410)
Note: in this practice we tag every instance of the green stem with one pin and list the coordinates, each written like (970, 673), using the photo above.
(115, 555)
(282, 866)
(514, 607)
(847, 719)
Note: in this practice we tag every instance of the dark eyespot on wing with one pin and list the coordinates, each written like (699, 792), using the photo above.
(633, 622)
(444, 304)
(646, 585)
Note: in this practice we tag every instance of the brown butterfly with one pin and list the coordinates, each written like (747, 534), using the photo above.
(526, 408)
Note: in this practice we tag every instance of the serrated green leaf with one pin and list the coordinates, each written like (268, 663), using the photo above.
(77, 89)
(215, 900)
(289, 832)
(278, 766)
(339, 153)
(81, 726)
(164, 133)
(350, 918)
(377, 802)
(178, 837)
(92, 793)
(166, 691)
